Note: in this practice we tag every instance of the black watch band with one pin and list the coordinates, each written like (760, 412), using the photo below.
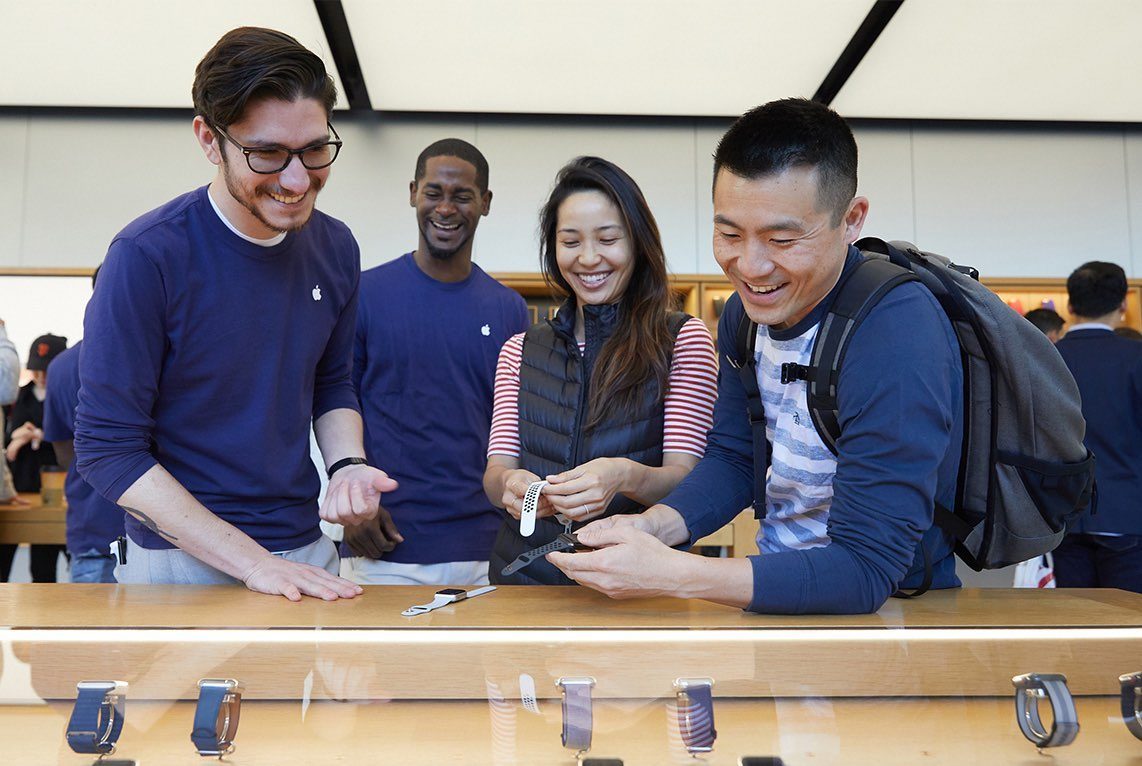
(1132, 702)
(344, 462)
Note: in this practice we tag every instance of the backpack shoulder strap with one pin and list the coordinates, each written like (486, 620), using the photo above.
(860, 291)
(746, 366)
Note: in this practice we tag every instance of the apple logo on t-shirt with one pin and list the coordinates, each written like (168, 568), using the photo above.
(486, 330)
(317, 292)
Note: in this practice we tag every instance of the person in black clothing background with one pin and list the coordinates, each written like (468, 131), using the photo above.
(27, 452)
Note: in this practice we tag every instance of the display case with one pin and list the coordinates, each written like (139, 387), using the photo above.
(927, 680)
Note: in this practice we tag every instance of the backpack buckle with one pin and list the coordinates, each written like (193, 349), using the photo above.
(791, 371)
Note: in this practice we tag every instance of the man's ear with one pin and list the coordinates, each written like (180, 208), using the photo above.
(854, 219)
(209, 140)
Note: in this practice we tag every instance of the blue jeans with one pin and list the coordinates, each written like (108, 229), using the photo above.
(1099, 561)
(93, 566)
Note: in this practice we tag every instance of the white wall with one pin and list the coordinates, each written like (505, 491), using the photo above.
(1011, 201)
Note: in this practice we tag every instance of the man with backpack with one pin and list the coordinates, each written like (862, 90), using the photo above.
(866, 430)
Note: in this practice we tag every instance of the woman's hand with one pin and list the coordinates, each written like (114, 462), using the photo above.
(586, 491)
(516, 482)
(25, 434)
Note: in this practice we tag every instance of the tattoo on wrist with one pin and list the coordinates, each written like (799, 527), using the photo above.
(149, 523)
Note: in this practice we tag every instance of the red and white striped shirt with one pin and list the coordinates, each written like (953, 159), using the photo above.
(689, 405)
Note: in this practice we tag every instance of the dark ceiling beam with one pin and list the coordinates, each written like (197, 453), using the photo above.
(336, 26)
(874, 23)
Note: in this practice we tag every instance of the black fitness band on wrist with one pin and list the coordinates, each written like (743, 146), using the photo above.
(344, 462)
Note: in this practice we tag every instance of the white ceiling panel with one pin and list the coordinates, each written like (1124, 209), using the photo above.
(623, 57)
(1074, 60)
(129, 53)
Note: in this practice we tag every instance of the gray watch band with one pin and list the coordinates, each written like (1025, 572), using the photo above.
(1030, 689)
(578, 718)
(1131, 700)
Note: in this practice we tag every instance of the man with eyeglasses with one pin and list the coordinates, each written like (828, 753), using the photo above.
(221, 327)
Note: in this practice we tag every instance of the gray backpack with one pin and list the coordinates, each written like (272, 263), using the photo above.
(1024, 470)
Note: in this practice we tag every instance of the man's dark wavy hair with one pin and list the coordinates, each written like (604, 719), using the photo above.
(252, 63)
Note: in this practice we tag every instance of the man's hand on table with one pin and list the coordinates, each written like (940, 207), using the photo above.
(354, 497)
(372, 539)
(280, 577)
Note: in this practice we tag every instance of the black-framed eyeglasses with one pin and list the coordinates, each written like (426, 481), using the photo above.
(268, 160)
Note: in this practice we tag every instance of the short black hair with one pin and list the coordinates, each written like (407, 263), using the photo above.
(1096, 288)
(249, 64)
(1045, 320)
(794, 132)
(454, 147)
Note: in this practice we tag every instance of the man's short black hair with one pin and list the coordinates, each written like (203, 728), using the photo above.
(454, 147)
(249, 64)
(1045, 320)
(1096, 288)
(791, 133)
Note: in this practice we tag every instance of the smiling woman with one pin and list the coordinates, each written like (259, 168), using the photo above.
(609, 401)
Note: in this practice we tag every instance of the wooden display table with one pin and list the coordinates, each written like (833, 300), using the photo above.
(33, 522)
(926, 680)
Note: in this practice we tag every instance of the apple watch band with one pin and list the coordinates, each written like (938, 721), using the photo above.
(530, 507)
(578, 719)
(97, 718)
(1132, 702)
(1030, 689)
(343, 462)
(695, 702)
(216, 716)
(566, 542)
(445, 597)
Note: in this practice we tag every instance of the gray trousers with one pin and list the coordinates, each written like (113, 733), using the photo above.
(172, 566)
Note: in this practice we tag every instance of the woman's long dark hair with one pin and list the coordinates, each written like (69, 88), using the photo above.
(639, 348)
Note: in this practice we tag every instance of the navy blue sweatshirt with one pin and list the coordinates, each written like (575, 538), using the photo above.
(210, 355)
(425, 366)
(899, 401)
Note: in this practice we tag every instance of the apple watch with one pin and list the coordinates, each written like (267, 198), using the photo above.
(566, 542)
(445, 597)
(216, 716)
(1132, 702)
(578, 720)
(695, 702)
(1030, 689)
(97, 718)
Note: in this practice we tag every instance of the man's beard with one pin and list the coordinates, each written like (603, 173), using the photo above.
(239, 197)
(441, 254)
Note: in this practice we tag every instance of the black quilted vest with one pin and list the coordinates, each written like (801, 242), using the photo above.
(553, 396)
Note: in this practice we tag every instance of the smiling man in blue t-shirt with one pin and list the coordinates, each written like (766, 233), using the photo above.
(840, 533)
(221, 327)
(429, 330)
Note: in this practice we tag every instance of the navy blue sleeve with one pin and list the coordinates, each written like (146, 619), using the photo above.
(333, 385)
(897, 396)
(721, 485)
(120, 363)
(59, 404)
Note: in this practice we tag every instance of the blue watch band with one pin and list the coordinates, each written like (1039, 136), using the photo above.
(695, 701)
(97, 718)
(216, 716)
(578, 719)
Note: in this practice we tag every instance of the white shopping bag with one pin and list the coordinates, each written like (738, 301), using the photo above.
(1038, 572)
